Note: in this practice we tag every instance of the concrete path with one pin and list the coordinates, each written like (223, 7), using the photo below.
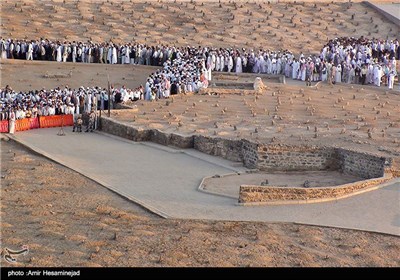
(165, 180)
(389, 10)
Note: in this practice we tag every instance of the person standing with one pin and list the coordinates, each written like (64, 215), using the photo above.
(392, 75)
(11, 122)
(91, 123)
(238, 64)
(364, 72)
(29, 54)
(59, 56)
(357, 73)
(338, 74)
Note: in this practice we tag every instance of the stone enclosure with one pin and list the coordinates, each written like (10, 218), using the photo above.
(272, 157)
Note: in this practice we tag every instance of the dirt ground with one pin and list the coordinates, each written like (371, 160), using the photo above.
(24, 75)
(300, 26)
(229, 185)
(68, 220)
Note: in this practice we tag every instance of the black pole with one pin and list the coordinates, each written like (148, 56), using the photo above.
(109, 96)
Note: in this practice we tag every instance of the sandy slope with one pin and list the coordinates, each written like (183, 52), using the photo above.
(301, 26)
(67, 220)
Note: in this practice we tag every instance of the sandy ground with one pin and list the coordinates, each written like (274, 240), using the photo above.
(30, 75)
(229, 185)
(300, 26)
(67, 220)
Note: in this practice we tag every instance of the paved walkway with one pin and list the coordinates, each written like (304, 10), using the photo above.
(165, 180)
(393, 9)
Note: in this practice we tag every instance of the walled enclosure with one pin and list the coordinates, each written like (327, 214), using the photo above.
(270, 157)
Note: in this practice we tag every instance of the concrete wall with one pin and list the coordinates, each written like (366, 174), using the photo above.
(273, 195)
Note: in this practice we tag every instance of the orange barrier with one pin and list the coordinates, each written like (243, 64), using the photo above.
(56, 121)
(40, 122)
(33, 123)
(21, 125)
(4, 126)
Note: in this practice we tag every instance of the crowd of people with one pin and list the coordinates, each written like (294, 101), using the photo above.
(343, 59)
(86, 52)
(187, 69)
(59, 101)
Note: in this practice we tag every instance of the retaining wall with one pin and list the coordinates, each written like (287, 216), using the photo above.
(249, 194)
(266, 157)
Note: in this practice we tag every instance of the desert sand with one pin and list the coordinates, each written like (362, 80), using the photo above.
(24, 75)
(67, 220)
(299, 27)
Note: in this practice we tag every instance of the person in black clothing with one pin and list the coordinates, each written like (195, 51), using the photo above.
(357, 73)
(174, 88)
(118, 97)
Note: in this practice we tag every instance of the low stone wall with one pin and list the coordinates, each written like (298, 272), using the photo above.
(290, 158)
(220, 91)
(250, 194)
(216, 146)
(265, 157)
(396, 173)
(362, 164)
(250, 154)
(124, 130)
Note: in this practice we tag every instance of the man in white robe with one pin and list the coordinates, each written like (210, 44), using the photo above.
(11, 122)
(222, 60)
(65, 53)
(338, 75)
(84, 55)
(269, 65)
(263, 64)
(230, 63)
(392, 75)
(74, 53)
(238, 64)
(217, 63)
(29, 54)
(213, 61)
(59, 53)
(378, 73)
(128, 55)
(123, 54)
(370, 74)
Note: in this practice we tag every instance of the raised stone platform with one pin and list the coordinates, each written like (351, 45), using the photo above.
(273, 157)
